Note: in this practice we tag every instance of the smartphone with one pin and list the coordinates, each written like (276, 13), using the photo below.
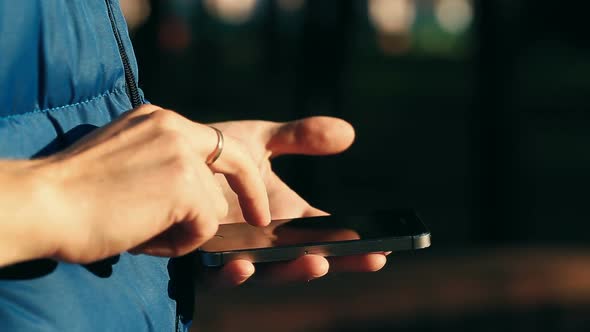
(334, 235)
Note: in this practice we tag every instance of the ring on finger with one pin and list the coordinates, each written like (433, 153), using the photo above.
(218, 148)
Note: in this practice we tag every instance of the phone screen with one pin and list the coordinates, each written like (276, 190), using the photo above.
(314, 230)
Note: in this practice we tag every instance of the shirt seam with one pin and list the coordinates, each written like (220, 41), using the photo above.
(51, 109)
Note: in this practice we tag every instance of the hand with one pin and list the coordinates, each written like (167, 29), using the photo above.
(142, 184)
(264, 141)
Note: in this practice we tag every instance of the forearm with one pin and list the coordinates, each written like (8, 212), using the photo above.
(26, 200)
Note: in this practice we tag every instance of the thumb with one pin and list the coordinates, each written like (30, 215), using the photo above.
(318, 135)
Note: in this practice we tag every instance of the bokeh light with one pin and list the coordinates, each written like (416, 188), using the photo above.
(392, 16)
(454, 16)
(136, 12)
(231, 11)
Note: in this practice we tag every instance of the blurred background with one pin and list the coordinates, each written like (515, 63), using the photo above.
(476, 113)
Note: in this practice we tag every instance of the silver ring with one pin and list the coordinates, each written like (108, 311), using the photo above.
(218, 148)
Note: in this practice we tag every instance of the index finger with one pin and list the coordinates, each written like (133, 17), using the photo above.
(244, 178)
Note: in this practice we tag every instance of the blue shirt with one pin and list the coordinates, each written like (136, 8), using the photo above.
(66, 68)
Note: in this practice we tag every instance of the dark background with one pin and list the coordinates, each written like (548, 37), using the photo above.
(485, 131)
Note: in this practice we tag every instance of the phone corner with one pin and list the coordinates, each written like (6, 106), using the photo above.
(421, 241)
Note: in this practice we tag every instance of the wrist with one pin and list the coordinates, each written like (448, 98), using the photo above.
(30, 202)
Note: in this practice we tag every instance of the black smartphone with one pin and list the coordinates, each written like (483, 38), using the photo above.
(335, 235)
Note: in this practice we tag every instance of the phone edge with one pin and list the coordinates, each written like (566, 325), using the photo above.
(414, 242)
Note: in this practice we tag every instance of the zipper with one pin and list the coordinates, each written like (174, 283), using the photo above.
(132, 89)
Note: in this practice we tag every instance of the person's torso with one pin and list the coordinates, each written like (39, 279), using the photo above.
(60, 67)
(63, 74)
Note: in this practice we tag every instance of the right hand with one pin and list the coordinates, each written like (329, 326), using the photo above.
(142, 184)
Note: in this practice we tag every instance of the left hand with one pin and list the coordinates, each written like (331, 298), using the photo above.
(264, 141)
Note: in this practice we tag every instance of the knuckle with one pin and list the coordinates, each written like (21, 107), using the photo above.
(208, 228)
(179, 150)
(182, 169)
(142, 110)
(164, 120)
(146, 109)
(175, 142)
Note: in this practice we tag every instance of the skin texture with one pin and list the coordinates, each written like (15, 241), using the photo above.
(141, 184)
(267, 140)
